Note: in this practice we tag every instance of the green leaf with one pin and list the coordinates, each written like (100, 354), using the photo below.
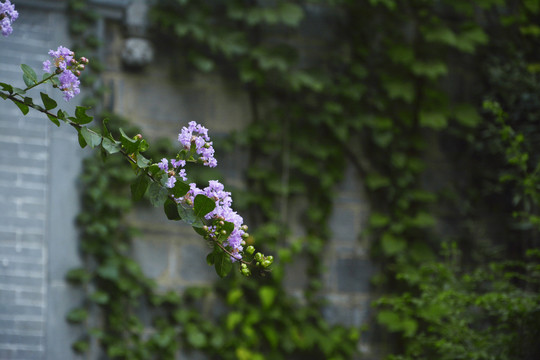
(81, 117)
(142, 162)
(53, 120)
(82, 141)
(180, 189)
(80, 346)
(24, 108)
(267, 295)
(467, 115)
(6, 87)
(100, 297)
(77, 315)
(432, 119)
(91, 137)
(291, 14)
(29, 73)
(210, 258)
(110, 146)
(157, 194)
(222, 263)
(48, 102)
(171, 209)
(139, 186)
(378, 220)
(188, 216)
(431, 70)
(78, 276)
(202, 205)
(128, 143)
(392, 245)
(27, 81)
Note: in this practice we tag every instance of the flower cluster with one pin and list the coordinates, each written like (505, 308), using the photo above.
(222, 212)
(64, 63)
(8, 15)
(197, 135)
(175, 165)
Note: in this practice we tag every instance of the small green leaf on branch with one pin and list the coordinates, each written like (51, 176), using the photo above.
(203, 205)
(222, 263)
(171, 210)
(29, 73)
(48, 102)
(138, 188)
(80, 116)
(93, 139)
(157, 194)
(23, 107)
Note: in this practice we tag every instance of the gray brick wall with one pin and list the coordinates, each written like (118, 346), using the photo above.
(38, 167)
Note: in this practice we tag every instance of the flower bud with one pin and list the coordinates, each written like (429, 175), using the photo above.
(77, 73)
(243, 243)
(223, 232)
(266, 263)
(221, 223)
(244, 227)
(205, 228)
(84, 60)
(258, 256)
(245, 272)
(270, 259)
(80, 67)
(250, 249)
(245, 235)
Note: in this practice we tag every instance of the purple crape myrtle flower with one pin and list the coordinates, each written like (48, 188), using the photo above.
(163, 164)
(170, 182)
(222, 211)
(198, 135)
(69, 84)
(8, 15)
(62, 58)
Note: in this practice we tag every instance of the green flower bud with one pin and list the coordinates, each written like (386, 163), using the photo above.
(250, 250)
(270, 258)
(223, 232)
(245, 235)
(258, 256)
(266, 263)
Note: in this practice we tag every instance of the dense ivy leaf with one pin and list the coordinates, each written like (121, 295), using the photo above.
(77, 315)
(139, 186)
(100, 297)
(222, 263)
(267, 295)
(23, 107)
(157, 194)
(291, 14)
(467, 115)
(202, 205)
(80, 346)
(377, 181)
(391, 244)
(78, 276)
(93, 139)
(431, 70)
(171, 209)
(47, 101)
(433, 119)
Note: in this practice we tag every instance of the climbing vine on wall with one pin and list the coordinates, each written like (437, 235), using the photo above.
(384, 83)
